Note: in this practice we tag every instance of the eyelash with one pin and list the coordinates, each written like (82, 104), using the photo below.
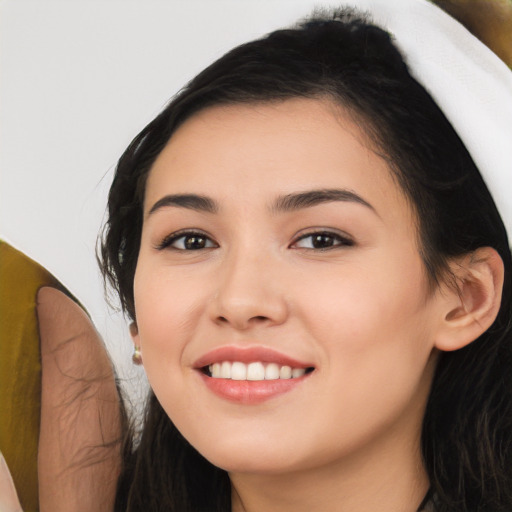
(168, 241)
(341, 241)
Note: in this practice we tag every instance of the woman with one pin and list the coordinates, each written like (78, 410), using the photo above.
(319, 281)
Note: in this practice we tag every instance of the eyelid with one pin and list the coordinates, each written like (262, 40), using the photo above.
(347, 240)
(167, 241)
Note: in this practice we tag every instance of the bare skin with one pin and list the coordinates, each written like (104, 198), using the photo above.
(79, 444)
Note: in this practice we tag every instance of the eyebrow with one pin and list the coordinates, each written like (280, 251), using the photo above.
(286, 203)
(300, 200)
(190, 201)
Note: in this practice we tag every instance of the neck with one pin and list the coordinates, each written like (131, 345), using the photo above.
(389, 477)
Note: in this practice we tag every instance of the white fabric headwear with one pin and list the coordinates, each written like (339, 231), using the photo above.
(471, 85)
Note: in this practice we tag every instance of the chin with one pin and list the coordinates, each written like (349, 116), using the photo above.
(267, 464)
(255, 457)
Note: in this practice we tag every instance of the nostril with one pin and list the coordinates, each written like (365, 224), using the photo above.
(253, 319)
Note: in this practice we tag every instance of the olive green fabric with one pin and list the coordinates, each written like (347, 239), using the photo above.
(20, 369)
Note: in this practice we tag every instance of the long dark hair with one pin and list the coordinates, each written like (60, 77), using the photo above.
(342, 57)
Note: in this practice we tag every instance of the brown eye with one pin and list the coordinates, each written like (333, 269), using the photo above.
(194, 242)
(187, 242)
(322, 240)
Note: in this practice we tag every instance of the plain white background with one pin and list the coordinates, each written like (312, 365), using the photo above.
(79, 79)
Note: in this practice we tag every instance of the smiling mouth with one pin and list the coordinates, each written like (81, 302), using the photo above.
(254, 371)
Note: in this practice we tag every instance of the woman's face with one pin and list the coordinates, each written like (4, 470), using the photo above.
(276, 242)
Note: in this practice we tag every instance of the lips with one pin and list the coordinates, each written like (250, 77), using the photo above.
(251, 375)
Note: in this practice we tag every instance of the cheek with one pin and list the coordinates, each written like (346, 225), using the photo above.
(376, 342)
(372, 320)
(166, 311)
(369, 294)
(166, 298)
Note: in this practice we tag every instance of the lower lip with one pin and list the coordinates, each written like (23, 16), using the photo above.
(251, 392)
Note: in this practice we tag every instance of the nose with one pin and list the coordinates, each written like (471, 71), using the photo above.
(248, 294)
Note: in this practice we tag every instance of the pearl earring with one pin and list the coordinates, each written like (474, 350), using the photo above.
(137, 356)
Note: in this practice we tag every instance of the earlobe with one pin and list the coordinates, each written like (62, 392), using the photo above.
(134, 333)
(137, 355)
(472, 305)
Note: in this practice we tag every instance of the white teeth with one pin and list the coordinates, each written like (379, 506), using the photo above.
(285, 372)
(272, 371)
(215, 370)
(225, 370)
(255, 371)
(298, 372)
(238, 371)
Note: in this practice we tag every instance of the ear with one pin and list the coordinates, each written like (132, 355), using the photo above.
(472, 302)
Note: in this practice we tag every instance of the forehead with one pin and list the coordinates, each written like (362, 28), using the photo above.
(259, 150)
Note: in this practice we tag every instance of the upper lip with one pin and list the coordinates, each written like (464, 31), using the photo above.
(248, 355)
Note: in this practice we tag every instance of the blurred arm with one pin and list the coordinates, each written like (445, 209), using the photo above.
(79, 443)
